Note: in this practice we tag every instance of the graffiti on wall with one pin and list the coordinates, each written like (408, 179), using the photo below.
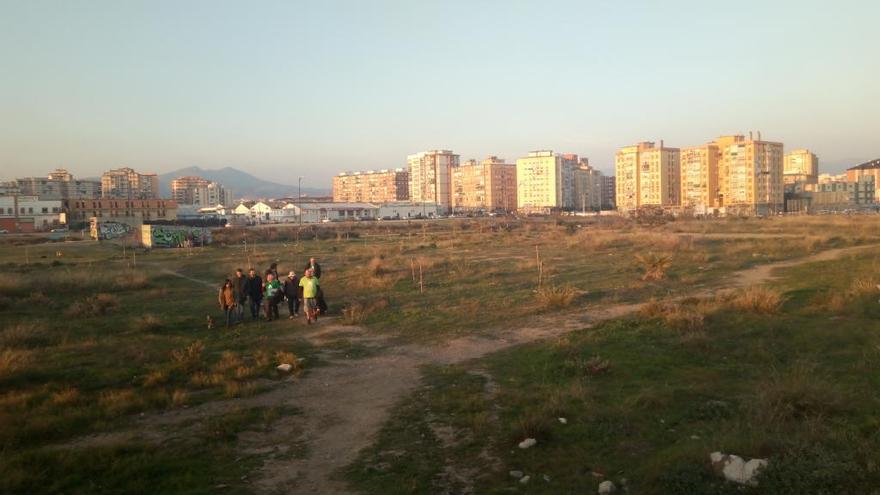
(175, 236)
(105, 231)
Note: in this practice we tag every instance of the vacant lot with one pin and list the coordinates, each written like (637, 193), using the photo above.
(110, 381)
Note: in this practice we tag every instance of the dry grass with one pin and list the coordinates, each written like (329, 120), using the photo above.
(688, 319)
(119, 402)
(65, 397)
(654, 265)
(37, 298)
(202, 379)
(228, 363)
(757, 299)
(554, 297)
(796, 395)
(14, 360)
(179, 398)
(262, 358)
(155, 378)
(98, 305)
(357, 312)
(233, 389)
(147, 323)
(23, 334)
(189, 358)
(283, 357)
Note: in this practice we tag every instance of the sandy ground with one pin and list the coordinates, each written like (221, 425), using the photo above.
(345, 403)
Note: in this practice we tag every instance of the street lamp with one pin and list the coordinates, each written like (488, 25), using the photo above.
(299, 200)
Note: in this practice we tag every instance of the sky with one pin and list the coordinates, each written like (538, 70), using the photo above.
(288, 88)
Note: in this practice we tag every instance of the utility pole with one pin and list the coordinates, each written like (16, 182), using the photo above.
(299, 200)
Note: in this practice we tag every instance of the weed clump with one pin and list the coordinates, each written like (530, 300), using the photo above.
(757, 299)
(98, 305)
(654, 265)
(189, 358)
(796, 395)
(148, 323)
(13, 361)
(357, 312)
(553, 297)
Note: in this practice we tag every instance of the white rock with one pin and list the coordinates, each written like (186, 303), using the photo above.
(735, 469)
(516, 474)
(285, 367)
(528, 442)
(607, 486)
(563, 421)
(525, 479)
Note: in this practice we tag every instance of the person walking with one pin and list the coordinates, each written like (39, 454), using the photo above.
(309, 284)
(273, 269)
(254, 290)
(272, 295)
(226, 298)
(314, 266)
(292, 292)
(239, 290)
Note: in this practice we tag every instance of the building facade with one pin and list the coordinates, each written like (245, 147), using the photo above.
(647, 175)
(430, 177)
(540, 182)
(871, 168)
(59, 184)
(699, 177)
(587, 187)
(132, 212)
(800, 166)
(193, 190)
(372, 186)
(609, 192)
(29, 213)
(488, 185)
(751, 176)
(125, 183)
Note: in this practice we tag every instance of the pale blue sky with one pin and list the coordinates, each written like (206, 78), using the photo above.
(290, 88)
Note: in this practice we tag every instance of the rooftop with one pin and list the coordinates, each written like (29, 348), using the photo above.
(873, 164)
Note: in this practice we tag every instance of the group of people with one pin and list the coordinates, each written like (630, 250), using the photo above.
(264, 294)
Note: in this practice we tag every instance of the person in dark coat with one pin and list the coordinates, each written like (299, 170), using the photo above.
(240, 294)
(254, 290)
(314, 266)
(273, 269)
(293, 294)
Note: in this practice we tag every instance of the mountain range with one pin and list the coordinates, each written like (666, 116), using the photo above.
(242, 184)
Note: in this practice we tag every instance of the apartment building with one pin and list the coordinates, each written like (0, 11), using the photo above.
(487, 185)
(699, 177)
(430, 177)
(647, 175)
(541, 179)
(609, 192)
(198, 191)
(132, 212)
(372, 186)
(125, 183)
(750, 175)
(800, 166)
(587, 187)
(871, 168)
(59, 184)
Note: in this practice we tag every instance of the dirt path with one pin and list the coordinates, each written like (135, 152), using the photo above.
(346, 402)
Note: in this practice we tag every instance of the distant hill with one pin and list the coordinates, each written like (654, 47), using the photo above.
(242, 184)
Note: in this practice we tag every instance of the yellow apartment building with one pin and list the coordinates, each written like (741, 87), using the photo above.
(540, 180)
(647, 175)
(699, 177)
(750, 175)
(800, 166)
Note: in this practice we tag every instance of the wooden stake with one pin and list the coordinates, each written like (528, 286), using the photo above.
(421, 279)
(412, 267)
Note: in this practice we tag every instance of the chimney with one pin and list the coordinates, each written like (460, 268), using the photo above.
(661, 144)
(759, 135)
(750, 135)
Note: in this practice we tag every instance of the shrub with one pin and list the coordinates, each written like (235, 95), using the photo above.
(357, 312)
(550, 296)
(154, 378)
(202, 379)
(179, 398)
(596, 366)
(65, 397)
(757, 299)
(654, 265)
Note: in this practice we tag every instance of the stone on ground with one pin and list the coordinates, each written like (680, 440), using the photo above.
(734, 468)
(528, 442)
(285, 367)
(606, 487)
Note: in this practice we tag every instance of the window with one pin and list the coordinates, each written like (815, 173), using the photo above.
(45, 210)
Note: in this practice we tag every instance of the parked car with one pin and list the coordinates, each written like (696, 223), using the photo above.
(4, 231)
(59, 230)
